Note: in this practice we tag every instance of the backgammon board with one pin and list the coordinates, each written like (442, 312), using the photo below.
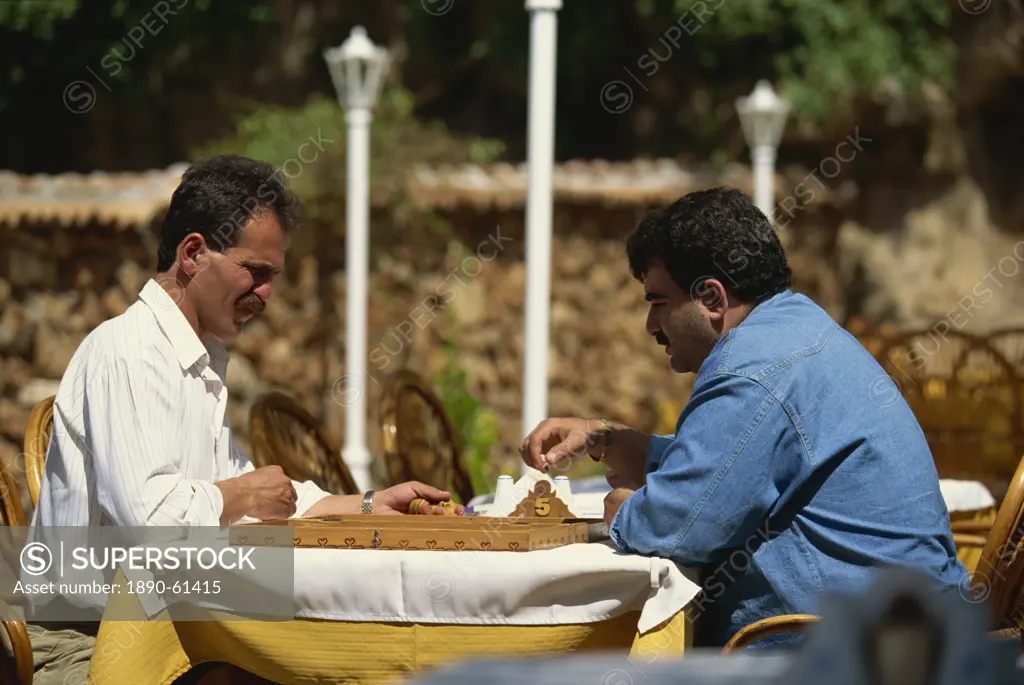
(444, 533)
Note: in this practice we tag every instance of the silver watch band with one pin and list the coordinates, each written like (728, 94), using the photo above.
(368, 502)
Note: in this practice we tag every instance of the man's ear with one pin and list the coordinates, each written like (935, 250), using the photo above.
(713, 296)
(192, 254)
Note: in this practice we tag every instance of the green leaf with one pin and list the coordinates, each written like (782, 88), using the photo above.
(476, 427)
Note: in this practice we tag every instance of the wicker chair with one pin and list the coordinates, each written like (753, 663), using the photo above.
(999, 579)
(968, 400)
(1010, 343)
(418, 438)
(37, 440)
(285, 434)
(12, 514)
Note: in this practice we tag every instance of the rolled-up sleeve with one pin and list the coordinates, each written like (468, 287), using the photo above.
(716, 481)
(307, 494)
(135, 428)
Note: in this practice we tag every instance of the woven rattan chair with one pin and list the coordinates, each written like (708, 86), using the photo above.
(418, 438)
(1010, 343)
(998, 579)
(12, 514)
(285, 434)
(37, 440)
(967, 398)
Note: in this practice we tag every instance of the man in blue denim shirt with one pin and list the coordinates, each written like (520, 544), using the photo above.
(796, 468)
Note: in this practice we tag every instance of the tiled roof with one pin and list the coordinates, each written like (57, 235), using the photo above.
(638, 182)
(135, 199)
(122, 199)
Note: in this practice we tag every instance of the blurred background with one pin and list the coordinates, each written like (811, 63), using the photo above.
(899, 166)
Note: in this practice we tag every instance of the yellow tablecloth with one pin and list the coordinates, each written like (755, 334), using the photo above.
(303, 651)
(970, 555)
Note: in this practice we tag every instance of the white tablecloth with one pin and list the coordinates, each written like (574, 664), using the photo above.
(966, 495)
(581, 583)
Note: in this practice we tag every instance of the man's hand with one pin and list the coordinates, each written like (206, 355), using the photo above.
(613, 502)
(621, 448)
(617, 480)
(556, 439)
(268, 493)
(396, 499)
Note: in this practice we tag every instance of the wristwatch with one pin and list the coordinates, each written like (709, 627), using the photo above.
(606, 443)
(368, 502)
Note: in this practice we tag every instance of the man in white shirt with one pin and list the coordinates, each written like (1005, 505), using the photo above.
(140, 436)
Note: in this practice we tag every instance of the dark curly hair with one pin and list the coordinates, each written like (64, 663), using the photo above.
(716, 233)
(216, 199)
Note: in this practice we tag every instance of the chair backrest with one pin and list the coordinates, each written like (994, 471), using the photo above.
(999, 575)
(11, 511)
(37, 440)
(1010, 343)
(967, 398)
(18, 669)
(285, 434)
(418, 438)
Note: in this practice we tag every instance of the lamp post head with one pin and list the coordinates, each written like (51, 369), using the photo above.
(534, 5)
(762, 115)
(357, 69)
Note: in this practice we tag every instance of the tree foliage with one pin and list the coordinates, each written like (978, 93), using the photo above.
(42, 39)
(827, 55)
(467, 67)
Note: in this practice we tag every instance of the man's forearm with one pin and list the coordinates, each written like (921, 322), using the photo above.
(626, 452)
(237, 500)
(334, 505)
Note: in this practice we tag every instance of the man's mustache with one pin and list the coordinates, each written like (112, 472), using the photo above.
(662, 340)
(252, 302)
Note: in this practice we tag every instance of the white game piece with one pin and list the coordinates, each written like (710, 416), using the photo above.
(503, 495)
(564, 490)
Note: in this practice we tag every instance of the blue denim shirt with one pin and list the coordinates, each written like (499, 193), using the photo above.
(795, 471)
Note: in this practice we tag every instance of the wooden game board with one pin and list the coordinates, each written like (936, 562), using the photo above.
(450, 533)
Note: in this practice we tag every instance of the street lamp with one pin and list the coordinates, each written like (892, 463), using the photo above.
(357, 69)
(763, 116)
(540, 157)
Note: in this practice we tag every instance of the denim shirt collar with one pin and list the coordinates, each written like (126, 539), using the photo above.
(763, 309)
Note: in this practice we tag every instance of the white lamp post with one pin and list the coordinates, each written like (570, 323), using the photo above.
(540, 159)
(763, 116)
(357, 69)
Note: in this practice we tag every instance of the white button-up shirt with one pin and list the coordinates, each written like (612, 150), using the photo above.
(140, 434)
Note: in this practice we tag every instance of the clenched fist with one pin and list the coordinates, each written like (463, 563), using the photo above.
(271, 493)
